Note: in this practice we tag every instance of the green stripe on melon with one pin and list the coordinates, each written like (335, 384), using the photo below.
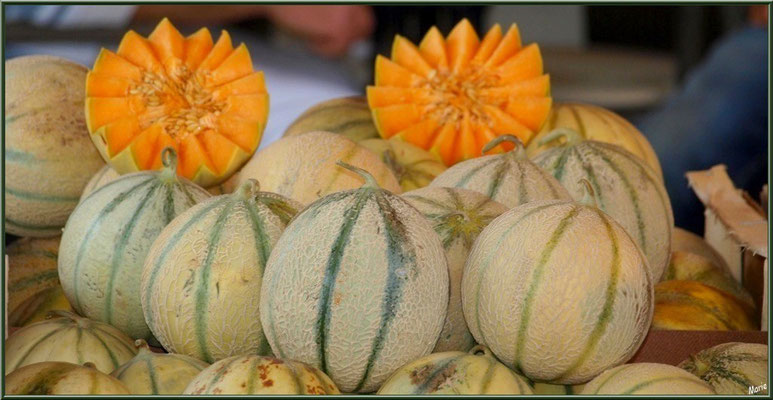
(61, 378)
(202, 278)
(367, 293)
(49, 156)
(158, 373)
(647, 378)
(626, 189)
(565, 268)
(348, 116)
(455, 372)
(68, 338)
(107, 237)
(458, 216)
(731, 368)
(509, 178)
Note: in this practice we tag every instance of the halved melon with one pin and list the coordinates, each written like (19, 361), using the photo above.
(200, 97)
(453, 95)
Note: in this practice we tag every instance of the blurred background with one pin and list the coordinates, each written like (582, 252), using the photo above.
(693, 79)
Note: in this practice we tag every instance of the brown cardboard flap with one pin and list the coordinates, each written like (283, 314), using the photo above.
(673, 347)
(744, 222)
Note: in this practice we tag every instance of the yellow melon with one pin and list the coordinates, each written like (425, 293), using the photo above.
(348, 116)
(61, 378)
(646, 378)
(691, 305)
(158, 373)
(413, 167)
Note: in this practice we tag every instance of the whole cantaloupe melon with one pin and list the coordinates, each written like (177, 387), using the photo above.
(108, 236)
(456, 372)
(348, 116)
(356, 286)
(509, 178)
(303, 167)
(157, 373)
(33, 281)
(626, 188)
(731, 368)
(558, 291)
(646, 378)
(69, 338)
(261, 375)
(61, 378)
(458, 216)
(202, 277)
(49, 156)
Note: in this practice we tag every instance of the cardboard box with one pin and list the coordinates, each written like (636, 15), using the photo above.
(737, 227)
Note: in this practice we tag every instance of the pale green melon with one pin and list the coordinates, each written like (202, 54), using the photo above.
(107, 237)
(202, 278)
(626, 188)
(357, 286)
(304, 168)
(456, 372)
(252, 374)
(509, 178)
(558, 291)
(732, 368)
(69, 338)
(158, 373)
(49, 156)
(458, 216)
(646, 378)
(61, 378)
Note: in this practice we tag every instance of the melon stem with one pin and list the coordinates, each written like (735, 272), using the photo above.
(247, 189)
(519, 151)
(589, 198)
(370, 181)
(570, 135)
(478, 349)
(141, 345)
(169, 160)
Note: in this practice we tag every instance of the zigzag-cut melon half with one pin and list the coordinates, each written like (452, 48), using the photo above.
(453, 95)
(201, 97)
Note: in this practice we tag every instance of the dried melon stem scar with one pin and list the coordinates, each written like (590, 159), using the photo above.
(169, 160)
(454, 95)
(481, 350)
(178, 100)
(141, 345)
(519, 151)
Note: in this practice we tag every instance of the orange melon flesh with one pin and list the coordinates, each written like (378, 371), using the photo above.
(201, 97)
(453, 95)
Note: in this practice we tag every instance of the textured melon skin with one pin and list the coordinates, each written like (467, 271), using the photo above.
(509, 178)
(692, 267)
(689, 242)
(303, 167)
(158, 373)
(456, 372)
(61, 378)
(458, 216)
(626, 189)
(348, 116)
(558, 291)
(595, 123)
(107, 238)
(68, 338)
(253, 374)
(368, 292)
(49, 156)
(202, 278)
(33, 281)
(413, 166)
(107, 175)
(693, 306)
(646, 378)
(731, 368)
(546, 388)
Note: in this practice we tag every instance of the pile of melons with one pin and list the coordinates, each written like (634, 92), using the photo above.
(453, 232)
